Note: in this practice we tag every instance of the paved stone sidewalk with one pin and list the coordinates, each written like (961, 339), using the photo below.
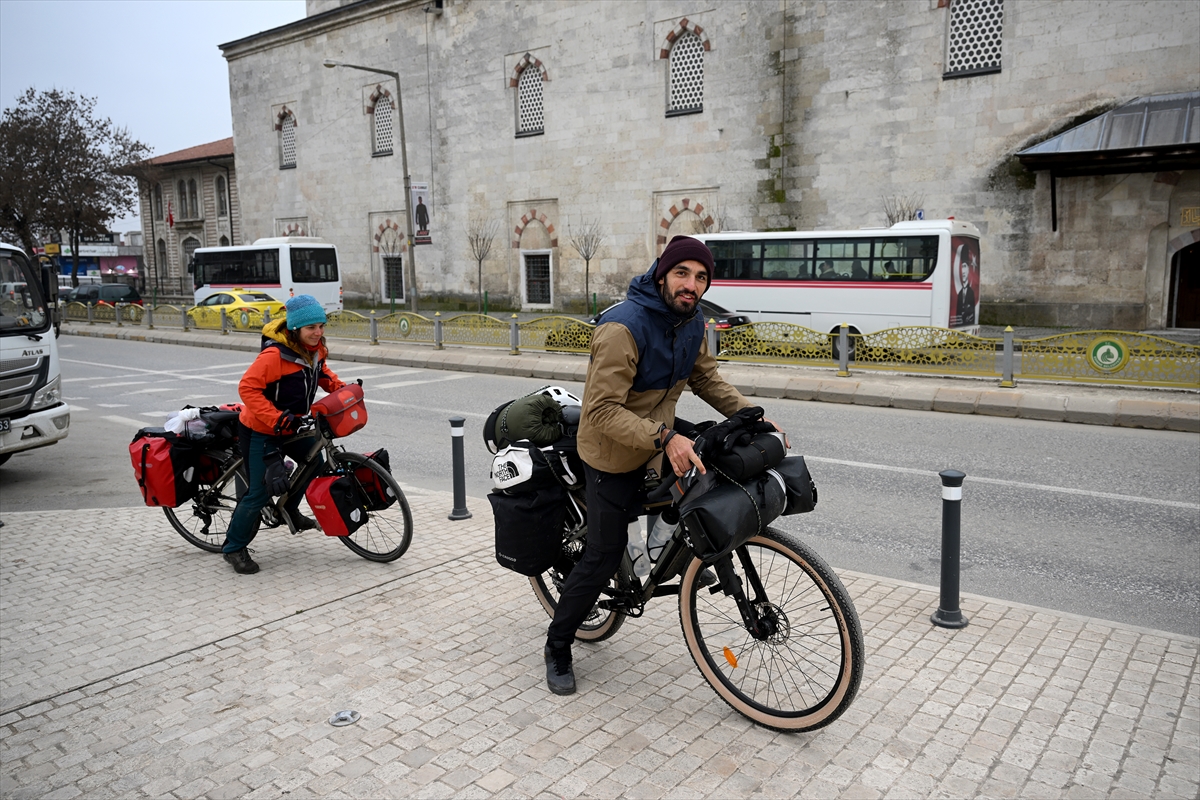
(134, 665)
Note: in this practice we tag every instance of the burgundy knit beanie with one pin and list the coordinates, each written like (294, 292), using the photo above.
(683, 248)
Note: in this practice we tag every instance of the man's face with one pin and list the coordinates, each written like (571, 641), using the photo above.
(683, 286)
(964, 272)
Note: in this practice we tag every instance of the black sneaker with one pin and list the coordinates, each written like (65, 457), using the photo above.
(707, 578)
(302, 522)
(559, 675)
(242, 562)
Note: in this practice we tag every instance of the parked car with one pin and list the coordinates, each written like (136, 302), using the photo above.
(107, 294)
(12, 292)
(243, 307)
(722, 317)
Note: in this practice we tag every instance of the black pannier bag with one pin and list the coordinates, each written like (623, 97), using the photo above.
(724, 516)
(529, 528)
(524, 467)
(801, 491)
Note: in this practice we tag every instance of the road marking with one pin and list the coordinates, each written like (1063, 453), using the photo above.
(137, 423)
(1014, 484)
(398, 384)
(167, 373)
(112, 405)
(151, 391)
(123, 383)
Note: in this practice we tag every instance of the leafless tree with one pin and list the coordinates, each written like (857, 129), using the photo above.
(480, 234)
(902, 207)
(587, 239)
(719, 217)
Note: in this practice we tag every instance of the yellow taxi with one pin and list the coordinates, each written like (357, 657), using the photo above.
(243, 307)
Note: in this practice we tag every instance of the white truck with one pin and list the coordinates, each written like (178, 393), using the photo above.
(32, 411)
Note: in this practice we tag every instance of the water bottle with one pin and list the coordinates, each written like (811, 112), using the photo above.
(637, 550)
(659, 537)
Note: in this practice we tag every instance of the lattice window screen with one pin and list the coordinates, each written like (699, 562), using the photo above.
(393, 275)
(287, 142)
(973, 43)
(529, 102)
(687, 74)
(537, 279)
(383, 126)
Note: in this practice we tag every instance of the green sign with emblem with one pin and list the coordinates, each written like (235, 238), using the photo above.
(1107, 354)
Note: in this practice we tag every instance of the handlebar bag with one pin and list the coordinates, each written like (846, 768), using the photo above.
(338, 504)
(753, 456)
(529, 528)
(343, 409)
(379, 494)
(801, 491)
(730, 513)
(164, 465)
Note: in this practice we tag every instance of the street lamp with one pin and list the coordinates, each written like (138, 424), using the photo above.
(411, 264)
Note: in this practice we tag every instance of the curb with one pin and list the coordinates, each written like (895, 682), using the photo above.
(1176, 411)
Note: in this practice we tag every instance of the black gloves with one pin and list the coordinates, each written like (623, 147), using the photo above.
(275, 478)
(287, 423)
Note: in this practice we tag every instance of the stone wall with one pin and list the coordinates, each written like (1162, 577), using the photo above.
(813, 112)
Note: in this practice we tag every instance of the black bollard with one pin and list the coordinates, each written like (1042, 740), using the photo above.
(460, 472)
(948, 614)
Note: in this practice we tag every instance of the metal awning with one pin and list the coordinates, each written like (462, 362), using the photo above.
(1156, 133)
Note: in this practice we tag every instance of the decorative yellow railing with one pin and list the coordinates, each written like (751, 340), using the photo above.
(1088, 356)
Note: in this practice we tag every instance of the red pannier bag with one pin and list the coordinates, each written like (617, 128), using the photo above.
(379, 494)
(165, 467)
(343, 409)
(337, 503)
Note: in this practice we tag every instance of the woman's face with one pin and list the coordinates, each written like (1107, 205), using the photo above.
(310, 335)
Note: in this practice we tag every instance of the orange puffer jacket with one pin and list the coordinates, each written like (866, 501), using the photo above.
(282, 380)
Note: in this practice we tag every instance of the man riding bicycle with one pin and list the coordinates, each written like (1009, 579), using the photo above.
(644, 352)
(277, 391)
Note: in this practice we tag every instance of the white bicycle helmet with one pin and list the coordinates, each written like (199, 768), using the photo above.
(561, 396)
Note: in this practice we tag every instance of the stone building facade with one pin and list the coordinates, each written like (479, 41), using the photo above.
(188, 199)
(657, 117)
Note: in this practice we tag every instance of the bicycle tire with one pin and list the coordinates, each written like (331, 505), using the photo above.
(807, 674)
(387, 533)
(599, 624)
(204, 520)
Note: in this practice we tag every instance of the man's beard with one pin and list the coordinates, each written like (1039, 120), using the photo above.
(679, 309)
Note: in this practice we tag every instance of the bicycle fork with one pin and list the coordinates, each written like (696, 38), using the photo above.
(756, 616)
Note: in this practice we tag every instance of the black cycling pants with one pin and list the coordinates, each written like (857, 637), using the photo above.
(613, 501)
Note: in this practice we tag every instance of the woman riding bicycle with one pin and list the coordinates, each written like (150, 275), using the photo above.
(277, 391)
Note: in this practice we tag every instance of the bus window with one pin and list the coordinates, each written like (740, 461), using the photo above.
(787, 260)
(236, 268)
(736, 260)
(314, 264)
(850, 257)
(911, 258)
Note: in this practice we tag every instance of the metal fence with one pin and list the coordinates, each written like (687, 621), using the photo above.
(1105, 357)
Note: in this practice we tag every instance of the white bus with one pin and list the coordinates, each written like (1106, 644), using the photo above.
(913, 273)
(281, 267)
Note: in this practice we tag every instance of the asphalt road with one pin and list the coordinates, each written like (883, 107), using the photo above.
(1087, 519)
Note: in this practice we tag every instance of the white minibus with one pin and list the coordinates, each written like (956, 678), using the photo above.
(281, 267)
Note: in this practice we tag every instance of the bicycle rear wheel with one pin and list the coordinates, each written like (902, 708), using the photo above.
(204, 520)
(387, 533)
(600, 624)
(803, 670)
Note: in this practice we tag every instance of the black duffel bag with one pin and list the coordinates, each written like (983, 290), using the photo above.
(529, 528)
(801, 491)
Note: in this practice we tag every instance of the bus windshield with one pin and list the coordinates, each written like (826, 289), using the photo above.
(314, 264)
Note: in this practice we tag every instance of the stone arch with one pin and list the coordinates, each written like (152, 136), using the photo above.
(673, 213)
(684, 26)
(283, 114)
(295, 229)
(527, 62)
(1181, 241)
(380, 93)
(389, 239)
(529, 216)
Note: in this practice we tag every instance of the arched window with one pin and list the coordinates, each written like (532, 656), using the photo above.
(530, 120)
(158, 203)
(181, 193)
(224, 241)
(381, 125)
(686, 95)
(187, 247)
(287, 140)
(193, 205)
(222, 197)
(160, 258)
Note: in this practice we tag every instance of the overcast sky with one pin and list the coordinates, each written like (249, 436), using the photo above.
(152, 65)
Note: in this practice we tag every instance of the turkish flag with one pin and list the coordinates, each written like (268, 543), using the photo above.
(170, 215)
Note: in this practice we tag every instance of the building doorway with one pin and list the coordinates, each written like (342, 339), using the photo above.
(1185, 288)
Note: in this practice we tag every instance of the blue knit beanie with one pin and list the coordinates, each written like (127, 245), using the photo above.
(303, 309)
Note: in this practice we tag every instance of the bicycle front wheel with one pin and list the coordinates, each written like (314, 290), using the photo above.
(204, 520)
(802, 669)
(387, 533)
